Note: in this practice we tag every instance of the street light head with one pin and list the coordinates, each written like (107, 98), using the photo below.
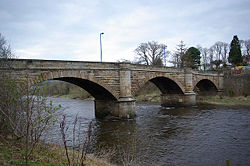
(102, 33)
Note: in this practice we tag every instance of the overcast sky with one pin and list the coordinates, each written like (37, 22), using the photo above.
(70, 29)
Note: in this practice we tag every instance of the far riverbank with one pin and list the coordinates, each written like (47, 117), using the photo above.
(215, 100)
(156, 98)
(225, 100)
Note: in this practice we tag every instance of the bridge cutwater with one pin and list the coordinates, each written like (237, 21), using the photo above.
(114, 85)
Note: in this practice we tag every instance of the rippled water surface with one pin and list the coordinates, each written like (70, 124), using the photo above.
(202, 135)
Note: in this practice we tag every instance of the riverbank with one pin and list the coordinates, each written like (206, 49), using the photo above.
(12, 153)
(216, 100)
(224, 100)
(74, 96)
(156, 98)
(153, 96)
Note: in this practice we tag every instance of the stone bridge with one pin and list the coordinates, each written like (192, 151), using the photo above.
(114, 85)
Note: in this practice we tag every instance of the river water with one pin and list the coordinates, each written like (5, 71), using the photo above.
(202, 135)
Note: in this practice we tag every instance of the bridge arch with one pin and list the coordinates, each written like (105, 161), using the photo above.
(205, 86)
(96, 90)
(165, 84)
(94, 86)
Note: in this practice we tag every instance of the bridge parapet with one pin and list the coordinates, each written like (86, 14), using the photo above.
(136, 67)
(214, 73)
(61, 65)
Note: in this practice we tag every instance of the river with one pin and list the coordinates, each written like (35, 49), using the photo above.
(201, 135)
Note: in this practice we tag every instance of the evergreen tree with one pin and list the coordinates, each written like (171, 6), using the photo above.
(192, 58)
(235, 56)
(178, 54)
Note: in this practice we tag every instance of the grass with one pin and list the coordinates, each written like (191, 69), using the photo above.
(224, 100)
(43, 155)
(153, 96)
(148, 93)
(74, 96)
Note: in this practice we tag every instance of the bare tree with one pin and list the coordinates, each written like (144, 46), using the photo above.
(215, 55)
(5, 52)
(225, 50)
(215, 52)
(218, 46)
(242, 42)
(204, 55)
(211, 56)
(150, 53)
(247, 47)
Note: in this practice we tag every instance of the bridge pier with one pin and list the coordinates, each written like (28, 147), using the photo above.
(126, 108)
(123, 108)
(178, 100)
(103, 108)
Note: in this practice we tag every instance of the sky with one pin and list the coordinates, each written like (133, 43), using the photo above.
(70, 29)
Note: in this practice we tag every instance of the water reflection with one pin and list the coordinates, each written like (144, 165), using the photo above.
(115, 132)
(202, 135)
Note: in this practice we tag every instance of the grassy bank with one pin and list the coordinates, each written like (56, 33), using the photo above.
(224, 100)
(148, 93)
(216, 100)
(74, 96)
(43, 155)
(149, 97)
(66, 90)
(155, 96)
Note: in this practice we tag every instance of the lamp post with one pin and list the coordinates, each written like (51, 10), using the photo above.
(164, 55)
(205, 67)
(101, 44)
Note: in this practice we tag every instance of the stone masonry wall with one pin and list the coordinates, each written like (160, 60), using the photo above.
(105, 74)
(237, 84)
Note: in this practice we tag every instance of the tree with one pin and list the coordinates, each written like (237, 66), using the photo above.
(24, 111)
(204, 55)
(211, 56)
(235, 56)
(220, 50)
(178, 54)
(150, 53)
(224, 53)
(218, 47)
(242, 42)
(247, 47)
(5, 52)
(217, 63)
(191, 58)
